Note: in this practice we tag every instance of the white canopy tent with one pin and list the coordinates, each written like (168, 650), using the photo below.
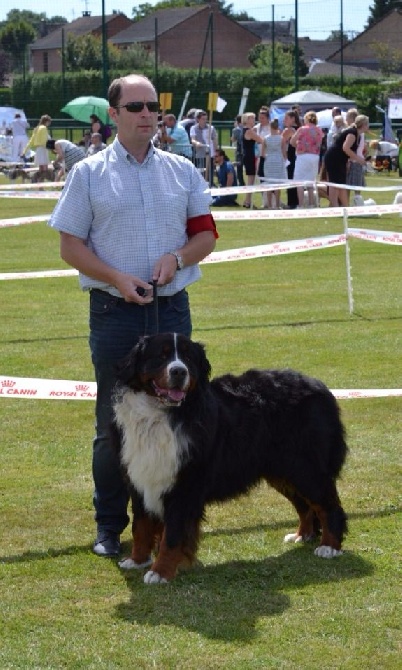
(313, 100)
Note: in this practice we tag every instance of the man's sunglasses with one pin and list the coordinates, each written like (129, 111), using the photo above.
(136, 107)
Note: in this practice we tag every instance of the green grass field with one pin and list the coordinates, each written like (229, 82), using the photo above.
(254, 603)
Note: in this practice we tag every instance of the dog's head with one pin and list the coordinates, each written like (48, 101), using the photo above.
(166, 366)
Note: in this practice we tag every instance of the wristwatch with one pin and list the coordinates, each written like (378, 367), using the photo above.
(179, 260)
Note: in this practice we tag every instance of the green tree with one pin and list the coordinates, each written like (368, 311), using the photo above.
(36, 20)
(389, 58)
(14, 39)
(85, 53)
(380, 8)
(260, 56)
(146, 8)
(4, 66)
(336, 36)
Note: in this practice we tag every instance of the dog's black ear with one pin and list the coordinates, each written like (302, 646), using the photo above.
(127, 369)
(204, 366)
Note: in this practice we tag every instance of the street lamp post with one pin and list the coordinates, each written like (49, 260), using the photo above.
(341, 1)
(105, 78)
(296, 46)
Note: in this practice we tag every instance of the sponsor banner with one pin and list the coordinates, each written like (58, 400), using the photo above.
(58, 389)
(46, 389)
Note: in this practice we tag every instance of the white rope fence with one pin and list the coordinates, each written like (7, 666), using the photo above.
(48, 389)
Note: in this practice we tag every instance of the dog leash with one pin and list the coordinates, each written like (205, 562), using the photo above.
(156, 310)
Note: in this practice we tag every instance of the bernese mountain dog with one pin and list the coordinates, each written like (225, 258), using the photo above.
(186, 441)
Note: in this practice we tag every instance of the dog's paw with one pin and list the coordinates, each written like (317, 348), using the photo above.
(129, 564)
(327, 552)
(152, 577)
(293, 537)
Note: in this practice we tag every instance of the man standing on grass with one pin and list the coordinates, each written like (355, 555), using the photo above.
(130, 216)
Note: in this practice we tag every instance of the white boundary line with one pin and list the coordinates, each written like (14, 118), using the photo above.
(63, 389)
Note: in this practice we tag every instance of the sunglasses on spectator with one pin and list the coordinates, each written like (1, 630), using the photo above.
(138, 106)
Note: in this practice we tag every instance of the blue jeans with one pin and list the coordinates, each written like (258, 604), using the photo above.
(115, 326)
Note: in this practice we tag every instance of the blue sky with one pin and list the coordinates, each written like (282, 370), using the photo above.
(317, 18)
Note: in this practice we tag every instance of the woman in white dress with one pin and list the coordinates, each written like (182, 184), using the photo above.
(20, 138)
(274, 165)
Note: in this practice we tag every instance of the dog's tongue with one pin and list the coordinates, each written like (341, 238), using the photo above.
(176, 395)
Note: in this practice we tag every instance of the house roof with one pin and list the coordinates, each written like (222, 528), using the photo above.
(263, 29)
(144, 30)
(81, 26)
(388, 36)
(324, 69)
(320, 49)
(285, 34)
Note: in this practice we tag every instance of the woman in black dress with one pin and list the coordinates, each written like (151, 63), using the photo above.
(250, 137)
(336, 159)
(291, 123)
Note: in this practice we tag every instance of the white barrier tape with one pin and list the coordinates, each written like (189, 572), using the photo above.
(43, 195)
(346, 394)
(4, 276)
(269, 185)
(313, 213)
(277, 214)
(275, 249)
(59, 389)
(46, 389)
(24, 220)
(382, 236)
(32, 187)
(293, 246)
(246, 253)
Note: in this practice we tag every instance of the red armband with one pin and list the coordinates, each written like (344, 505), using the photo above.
(198, 224)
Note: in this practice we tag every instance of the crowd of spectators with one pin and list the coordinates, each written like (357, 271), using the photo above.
(296, 149)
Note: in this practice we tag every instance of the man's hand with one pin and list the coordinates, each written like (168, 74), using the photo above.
(134, 289)
(165, 269)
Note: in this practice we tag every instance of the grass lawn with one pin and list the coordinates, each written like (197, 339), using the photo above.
(254, 603)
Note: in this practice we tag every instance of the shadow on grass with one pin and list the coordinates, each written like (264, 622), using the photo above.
(296, 324)
(288, 525)
(225, 602)
(205, 329)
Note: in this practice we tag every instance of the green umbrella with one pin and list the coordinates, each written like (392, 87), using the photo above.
(82, 108)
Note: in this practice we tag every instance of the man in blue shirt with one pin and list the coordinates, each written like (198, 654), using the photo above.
(128, 216)
(175, 137)
(226, 177)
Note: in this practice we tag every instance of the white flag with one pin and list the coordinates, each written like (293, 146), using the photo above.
(220, 104)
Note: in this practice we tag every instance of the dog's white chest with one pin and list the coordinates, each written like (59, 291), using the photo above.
(151, 450)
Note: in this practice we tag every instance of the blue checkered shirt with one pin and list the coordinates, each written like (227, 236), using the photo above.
(131, 213)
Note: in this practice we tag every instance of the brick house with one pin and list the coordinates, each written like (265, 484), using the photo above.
(46, 51)
(383, 37)
(183, 38)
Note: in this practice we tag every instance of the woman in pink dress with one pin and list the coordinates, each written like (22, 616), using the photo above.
(307, 140)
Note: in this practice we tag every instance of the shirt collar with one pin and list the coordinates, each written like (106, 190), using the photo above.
(123, 153)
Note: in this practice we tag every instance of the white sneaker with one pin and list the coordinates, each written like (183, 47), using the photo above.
(358, 201)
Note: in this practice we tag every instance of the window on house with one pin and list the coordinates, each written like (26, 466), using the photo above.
(45, 61)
